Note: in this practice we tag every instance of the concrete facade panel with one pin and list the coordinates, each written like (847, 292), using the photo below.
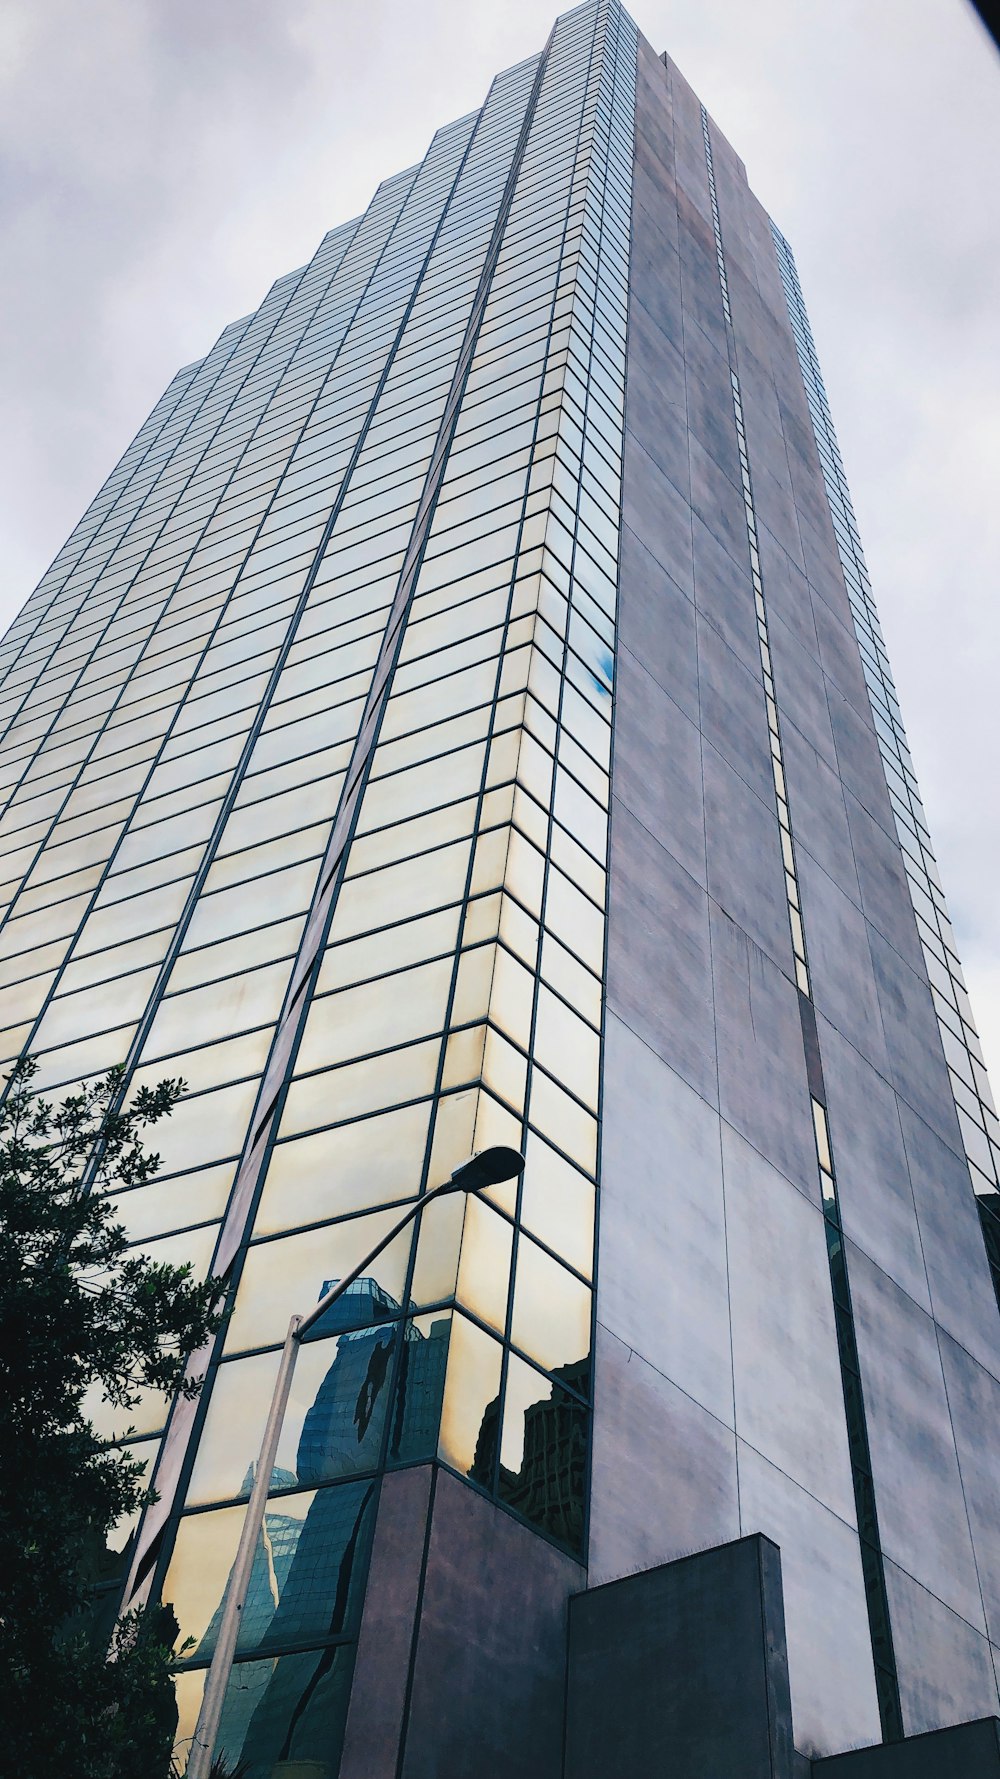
(658, 770)
(709, 417)
(658, 513)
(974, 1404)
(841, 661)
(876, 1197)
(762, 1076)
(787, 590)
(946, 1672)
(656, 401)
(487, 1682)
(718, 502)
(657, 623)
(663, 1479)
(745, 872)
(916, 1059)
(659, 966)
(663, 1284)
(923, 1523)
(378, 1693)
(840, 963)
(885, 896)
(804, 699)
(724, 595)
(960, 1286)
(733, 714)
(785, 1361)
(821, 826)
(682, 1670)
(829, 1653)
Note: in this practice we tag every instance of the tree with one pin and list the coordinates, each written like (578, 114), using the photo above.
(79, 1311)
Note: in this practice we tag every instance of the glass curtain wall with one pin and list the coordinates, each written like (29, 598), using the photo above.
(306, 786)
(456, 993)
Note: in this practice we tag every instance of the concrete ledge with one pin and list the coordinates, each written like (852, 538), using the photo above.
(964, 1751)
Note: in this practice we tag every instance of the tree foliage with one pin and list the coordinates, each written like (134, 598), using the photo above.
(81, 1315)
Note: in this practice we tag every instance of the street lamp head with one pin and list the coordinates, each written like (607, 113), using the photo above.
(487, 1168)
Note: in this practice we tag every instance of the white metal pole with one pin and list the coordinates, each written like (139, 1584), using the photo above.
(203, 1746)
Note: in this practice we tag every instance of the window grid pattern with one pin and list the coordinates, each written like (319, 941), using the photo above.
(232, 954)
(306, 800)
(492, 978)
(970, 1085)
(883, 1655)
(125, 719)
(49, 668)
(69, 579)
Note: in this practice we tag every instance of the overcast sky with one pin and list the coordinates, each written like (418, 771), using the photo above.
(165, 160)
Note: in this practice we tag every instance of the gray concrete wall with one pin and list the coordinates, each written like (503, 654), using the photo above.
(682, 1670)
(718, 1399)
(969, 1751)
(461, 1661)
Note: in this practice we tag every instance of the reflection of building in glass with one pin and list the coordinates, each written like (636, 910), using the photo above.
(304, 1577)
(305, 1574)
(549, 1488)
(343, 1429)
(306, 769)
(319, 1600)
(271, 1563)
(419, 1388)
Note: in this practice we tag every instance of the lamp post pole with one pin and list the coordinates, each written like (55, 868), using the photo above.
(487, 1168)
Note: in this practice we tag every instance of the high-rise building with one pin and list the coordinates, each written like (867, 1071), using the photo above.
(462, 718)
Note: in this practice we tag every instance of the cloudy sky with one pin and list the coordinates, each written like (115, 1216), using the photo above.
(165, 160)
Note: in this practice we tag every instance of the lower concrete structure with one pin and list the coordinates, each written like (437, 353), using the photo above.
(682, 1672)
(966, 1751)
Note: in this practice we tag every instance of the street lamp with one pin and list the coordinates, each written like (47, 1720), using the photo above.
(488, 1168)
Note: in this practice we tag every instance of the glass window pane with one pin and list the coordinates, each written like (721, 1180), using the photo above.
(307, 1571)
(484, 1268)
(348, 1168)
(90, 1056)
(286, 1277)
(416, 1413)
(205, 1128)
(289, 1710)
(558, 1204)
(113, 1424)
(415, 886)
(230, 956)
(566, 1047)
(563, 1121)
(239, 1003)
(551, 1318)
(543, 1453)
(150, 949)
(175, 1203)
(281, 894)
(358, 960)
(376, 1016)
(361, 1087)
(333, 1422)
(471, 1395)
